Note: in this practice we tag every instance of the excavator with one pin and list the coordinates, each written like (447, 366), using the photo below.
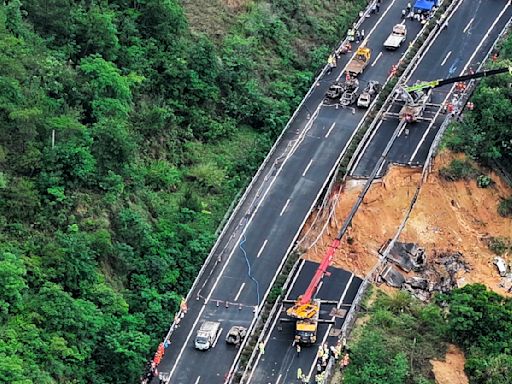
(305, 311)
(416, 96)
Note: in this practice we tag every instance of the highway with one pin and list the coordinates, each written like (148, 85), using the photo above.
(250, 252)
(471, 32)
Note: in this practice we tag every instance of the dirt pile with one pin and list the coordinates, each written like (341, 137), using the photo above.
(448, 217)
(451, 370)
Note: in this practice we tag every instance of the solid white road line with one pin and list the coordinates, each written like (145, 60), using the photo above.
(330, 129)
(279, 378)
(446, 58)
(239, 292)
(197, 380)
(382, 16)
(310, 374)
(468, 26)
(217, 338)
(265, 342)
(303, 262)
(377, 58)
(295, 279)
(284, 207)
(453, 86)
(307, 168)
(262, 248)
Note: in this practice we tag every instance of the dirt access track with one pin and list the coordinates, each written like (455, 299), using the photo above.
(447, 217)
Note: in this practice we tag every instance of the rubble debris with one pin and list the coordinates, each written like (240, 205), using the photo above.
(434, 224)
(501, 265)
(418, 283)
(408, 256)
(440, 275)
(420, 294)
(392, 276)
(338, 312)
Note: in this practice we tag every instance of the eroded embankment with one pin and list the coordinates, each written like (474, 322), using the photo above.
(447, 217)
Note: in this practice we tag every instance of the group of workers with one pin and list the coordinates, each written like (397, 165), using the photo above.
(322, 359)
(152, 365)
(356, 35)
(422, 17)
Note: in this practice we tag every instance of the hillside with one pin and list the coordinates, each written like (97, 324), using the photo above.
(448, 216)
(126, 130)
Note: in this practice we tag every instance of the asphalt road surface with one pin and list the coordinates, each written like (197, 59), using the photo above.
(472, 30)
(251, 252)
(280, 362)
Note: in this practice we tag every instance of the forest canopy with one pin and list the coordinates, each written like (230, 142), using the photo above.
(124, 137)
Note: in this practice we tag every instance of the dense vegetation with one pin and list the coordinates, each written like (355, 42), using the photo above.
(402, 335)
(397, 342)
(479, 321)
(123, 139)
(485, 134)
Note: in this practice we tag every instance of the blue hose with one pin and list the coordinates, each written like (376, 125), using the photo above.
(249, 272)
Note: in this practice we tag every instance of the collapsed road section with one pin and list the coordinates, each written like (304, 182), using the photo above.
(268, 369)
(250, 251)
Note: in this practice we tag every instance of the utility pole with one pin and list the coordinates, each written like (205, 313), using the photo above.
(53, 138)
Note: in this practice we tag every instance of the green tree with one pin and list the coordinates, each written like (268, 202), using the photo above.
(373, 363)
(12, 284)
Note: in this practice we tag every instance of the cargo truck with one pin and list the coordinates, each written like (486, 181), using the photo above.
(397, 37)
(359, 62)
(206, 335)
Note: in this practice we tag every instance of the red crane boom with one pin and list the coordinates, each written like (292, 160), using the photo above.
(319, 274)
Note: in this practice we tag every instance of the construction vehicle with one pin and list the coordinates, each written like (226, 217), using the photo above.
(306, 309)
(305, 328)
(365, 98)
(416, 97)
(206, 335)
(397, 37)
(359, 62)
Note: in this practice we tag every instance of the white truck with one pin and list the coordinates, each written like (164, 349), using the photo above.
(397, 37)
(206, 335)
